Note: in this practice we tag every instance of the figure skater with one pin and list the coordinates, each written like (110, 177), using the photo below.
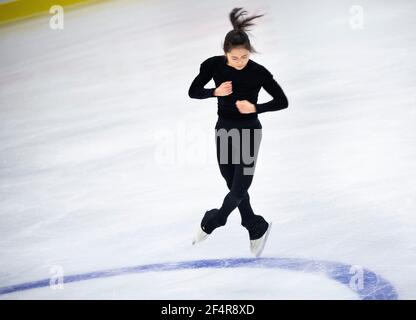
(238, 80)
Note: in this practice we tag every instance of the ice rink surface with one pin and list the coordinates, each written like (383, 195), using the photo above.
(107, 164)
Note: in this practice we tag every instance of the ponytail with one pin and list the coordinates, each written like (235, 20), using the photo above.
(238, 36)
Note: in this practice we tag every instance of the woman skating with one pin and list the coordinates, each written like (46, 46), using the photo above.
(238, 80)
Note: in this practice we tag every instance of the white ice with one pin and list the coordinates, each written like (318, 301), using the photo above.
(105, 162)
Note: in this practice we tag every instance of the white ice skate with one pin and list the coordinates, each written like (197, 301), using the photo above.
(200, 235)
(257, 246)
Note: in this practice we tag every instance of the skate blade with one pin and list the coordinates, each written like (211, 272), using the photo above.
(200, 235)
(258, 245)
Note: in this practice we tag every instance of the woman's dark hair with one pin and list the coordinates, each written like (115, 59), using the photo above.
(238, 36)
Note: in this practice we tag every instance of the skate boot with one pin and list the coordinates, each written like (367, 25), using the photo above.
(209, 222)
(258, 230)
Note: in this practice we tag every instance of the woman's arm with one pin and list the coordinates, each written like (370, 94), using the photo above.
(279, 100)
(197, 90)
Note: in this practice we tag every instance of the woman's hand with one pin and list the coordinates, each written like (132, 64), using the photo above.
(224, 89)
(245, 106)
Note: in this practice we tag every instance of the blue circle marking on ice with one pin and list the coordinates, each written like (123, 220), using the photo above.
(370, 287)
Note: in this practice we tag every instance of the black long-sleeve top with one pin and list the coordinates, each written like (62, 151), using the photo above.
(246, 84)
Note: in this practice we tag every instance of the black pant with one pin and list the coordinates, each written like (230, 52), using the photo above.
(241, 142)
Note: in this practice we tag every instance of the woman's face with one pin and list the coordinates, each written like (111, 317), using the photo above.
(238, 58)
